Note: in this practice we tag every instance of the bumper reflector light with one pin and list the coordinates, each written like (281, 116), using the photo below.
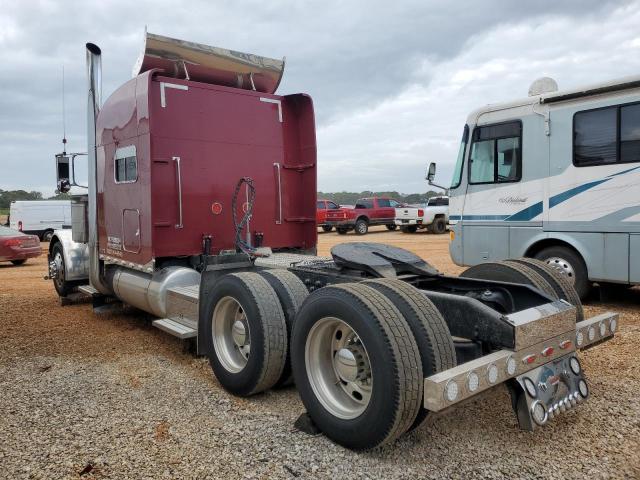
(583, 388)
(612, 325)
(492, 373)
(530, 387)
(529, 359)
(547, 351)
(574, 364)
(591, 334)
(603, 329)
(579, 339)
(565, 344)
(473, 381)
(539, 413)
(511, 366)
(451, 390)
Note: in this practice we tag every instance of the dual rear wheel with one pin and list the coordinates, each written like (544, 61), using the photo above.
(358, 352)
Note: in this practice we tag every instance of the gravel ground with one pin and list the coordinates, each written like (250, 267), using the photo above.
(93, 396)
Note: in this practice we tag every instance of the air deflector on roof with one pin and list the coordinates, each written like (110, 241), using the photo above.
(203, 63)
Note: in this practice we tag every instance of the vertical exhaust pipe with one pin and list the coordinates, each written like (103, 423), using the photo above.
(94, 101)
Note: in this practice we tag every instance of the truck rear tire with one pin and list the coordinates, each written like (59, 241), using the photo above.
(509, 272)
(344, 335)
(327, 228)
(361, 227)
(570, 264)
(439, 226)
(409, 229)
(341, 230)
(391, 228)
(429, 328)
(291, 292)
(17, 263)
(248, 333)
(561, 284)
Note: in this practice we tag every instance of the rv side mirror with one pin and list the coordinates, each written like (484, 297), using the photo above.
(431, 172)
(63, 173)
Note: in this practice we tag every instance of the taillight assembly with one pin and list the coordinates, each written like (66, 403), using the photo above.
(12, 242)
(420, 213)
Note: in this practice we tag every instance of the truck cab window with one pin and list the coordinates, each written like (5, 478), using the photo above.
(332, 206)
(496, 153)
(383, 202)
(457, 171)
(364, 203)
(125, 168)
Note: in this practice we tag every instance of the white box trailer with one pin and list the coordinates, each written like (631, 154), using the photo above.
(40, 217)
(554, 176)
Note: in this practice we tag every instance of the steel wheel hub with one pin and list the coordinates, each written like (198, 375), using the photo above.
(338, 368)
(562, 266)
(231, 335)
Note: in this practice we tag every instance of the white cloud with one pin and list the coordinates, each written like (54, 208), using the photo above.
(388, 145)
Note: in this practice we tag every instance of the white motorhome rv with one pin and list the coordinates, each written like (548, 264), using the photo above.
(555, 176)
(40, 217)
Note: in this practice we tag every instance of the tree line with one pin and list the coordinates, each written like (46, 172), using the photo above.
(8, 196)
(349, 198)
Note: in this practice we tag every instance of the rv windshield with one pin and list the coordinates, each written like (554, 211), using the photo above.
(457, 172)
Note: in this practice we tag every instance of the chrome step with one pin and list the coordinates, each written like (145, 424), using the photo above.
(175, 328)
(88, 290)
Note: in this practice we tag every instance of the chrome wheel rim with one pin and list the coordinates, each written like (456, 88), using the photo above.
(362, 227)
(59, 263)
(231, 335)
(338, 368)
(562, 266)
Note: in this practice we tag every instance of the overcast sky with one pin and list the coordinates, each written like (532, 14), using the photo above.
(392, 81)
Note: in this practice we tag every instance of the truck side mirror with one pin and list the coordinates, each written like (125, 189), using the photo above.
(431, 172)
(63, 173)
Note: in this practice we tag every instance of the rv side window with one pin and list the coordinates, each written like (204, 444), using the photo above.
(125, 168)
(496, 153)
(606, 136)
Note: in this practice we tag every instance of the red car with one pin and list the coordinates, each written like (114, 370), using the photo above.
(367, 212)
(321, 213)
(16, 247)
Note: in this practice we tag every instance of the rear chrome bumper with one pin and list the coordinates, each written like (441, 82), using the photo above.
(545, 364)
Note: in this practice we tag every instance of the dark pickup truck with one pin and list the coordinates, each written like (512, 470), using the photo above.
(366, 212)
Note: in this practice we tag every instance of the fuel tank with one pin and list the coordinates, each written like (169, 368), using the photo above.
(149, 292)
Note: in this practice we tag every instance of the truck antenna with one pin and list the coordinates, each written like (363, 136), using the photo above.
(64, 123)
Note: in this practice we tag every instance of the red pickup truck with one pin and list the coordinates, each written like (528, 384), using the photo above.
(321, 213)
(367, 212)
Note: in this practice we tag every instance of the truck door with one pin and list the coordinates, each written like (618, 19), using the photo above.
(384, 212)
(493, 197)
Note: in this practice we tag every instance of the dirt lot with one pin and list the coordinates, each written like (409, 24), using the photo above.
(93, 396)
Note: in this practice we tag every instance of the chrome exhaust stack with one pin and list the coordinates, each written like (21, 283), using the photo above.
(94, 101)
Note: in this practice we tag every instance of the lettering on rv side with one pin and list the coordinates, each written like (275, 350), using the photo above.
(513, 200)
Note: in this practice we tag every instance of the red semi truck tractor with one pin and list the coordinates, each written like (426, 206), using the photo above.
(201, 211)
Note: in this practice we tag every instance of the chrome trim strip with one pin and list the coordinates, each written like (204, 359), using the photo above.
(277, 102)
(179, 178)
(279, 178)
(163, 95)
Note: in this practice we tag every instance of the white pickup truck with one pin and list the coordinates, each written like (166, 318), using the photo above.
(434, 216)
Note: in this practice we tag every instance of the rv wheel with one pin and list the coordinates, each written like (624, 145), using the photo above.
(561, 284)
(509, 272)
(356, 365)
(291, 293)
(247, 335)
(429, 328)
(568, 263)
